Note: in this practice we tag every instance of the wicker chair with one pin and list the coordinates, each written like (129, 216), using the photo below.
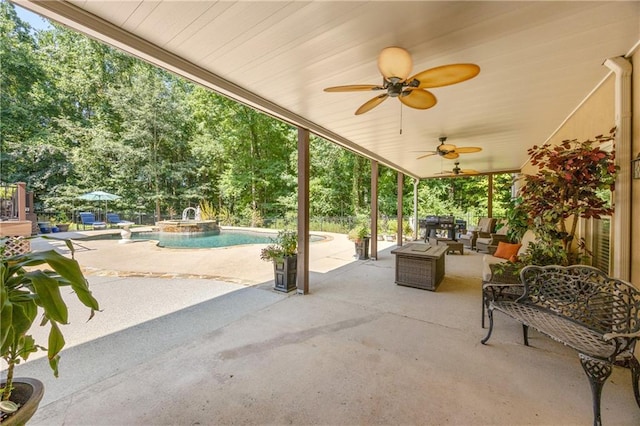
(486, 225)
(488, 240)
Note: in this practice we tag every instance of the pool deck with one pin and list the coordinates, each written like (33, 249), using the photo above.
(236, 264)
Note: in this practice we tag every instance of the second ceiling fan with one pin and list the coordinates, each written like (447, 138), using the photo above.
(457, 171)
(450, 151)
(394, 63)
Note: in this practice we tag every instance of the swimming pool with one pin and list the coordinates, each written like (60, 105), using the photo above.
(226, 238)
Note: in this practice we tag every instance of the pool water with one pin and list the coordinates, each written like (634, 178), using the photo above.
(225, 238)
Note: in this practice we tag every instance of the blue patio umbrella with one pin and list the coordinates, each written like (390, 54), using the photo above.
(100, 196)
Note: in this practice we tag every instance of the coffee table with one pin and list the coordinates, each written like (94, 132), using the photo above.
(420, 265)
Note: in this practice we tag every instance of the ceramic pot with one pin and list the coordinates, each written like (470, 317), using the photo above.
(28, 393)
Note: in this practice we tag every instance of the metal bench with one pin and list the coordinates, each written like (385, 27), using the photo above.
(583, 308)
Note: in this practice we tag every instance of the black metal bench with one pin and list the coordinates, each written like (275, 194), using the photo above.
(588, 311)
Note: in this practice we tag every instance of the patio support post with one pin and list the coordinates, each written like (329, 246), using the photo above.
(490, 200)
(416, 223)
(22, 201)
(374, 210)
(622, 195)
(303, 211)
(400, 187)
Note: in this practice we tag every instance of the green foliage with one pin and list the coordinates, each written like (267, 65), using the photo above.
(207, 211)
(517, 219)
(285, 244)
(62, 217)
(358, 232)
(24, 290)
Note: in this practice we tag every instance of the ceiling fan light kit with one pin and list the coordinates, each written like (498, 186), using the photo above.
(395, 64)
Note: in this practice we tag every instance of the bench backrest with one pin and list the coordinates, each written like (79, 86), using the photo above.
(584, 294)
(87, 218)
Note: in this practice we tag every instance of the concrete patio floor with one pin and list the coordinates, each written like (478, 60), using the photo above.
(200, 337)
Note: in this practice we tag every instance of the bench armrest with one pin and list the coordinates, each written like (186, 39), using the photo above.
(610, 336)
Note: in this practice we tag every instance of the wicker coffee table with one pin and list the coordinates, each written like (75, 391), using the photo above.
(454, 246)
(420, 265)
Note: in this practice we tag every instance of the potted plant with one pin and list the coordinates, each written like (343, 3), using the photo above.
(283, 252)
(62, 222)
(360, 236)
(23, 291)
(568, 186)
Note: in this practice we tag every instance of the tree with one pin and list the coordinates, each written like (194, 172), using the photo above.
(567, 187)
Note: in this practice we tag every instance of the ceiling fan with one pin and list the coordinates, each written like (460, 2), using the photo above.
(395, 65)
(450, 151)
(457, 171)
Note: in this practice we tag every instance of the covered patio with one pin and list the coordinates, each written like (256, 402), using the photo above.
(548, 71)
(358, 350)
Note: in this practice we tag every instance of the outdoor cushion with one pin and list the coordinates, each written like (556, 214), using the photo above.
(507, 250)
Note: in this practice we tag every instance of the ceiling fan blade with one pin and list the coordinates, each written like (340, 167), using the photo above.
(371, 103)
(354, 88)
(425, 155)
(418, 99)
(446, 75)
(469, 172)
(445, 172)
(451, 155)
(468, 149)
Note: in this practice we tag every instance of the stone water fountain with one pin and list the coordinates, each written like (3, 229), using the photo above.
(189, 226)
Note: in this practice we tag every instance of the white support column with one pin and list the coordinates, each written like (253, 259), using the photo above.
(622, 195)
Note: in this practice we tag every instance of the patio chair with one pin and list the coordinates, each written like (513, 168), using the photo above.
(489, 241)
(485, 224)
(114, 219)
(88, 218)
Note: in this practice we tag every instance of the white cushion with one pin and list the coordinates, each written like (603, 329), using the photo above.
(488, 260)
(527, 238)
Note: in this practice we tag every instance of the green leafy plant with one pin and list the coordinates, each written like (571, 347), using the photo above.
(285, 244)
(517, 220)
(358, 232)
(567, 187)
(62, 218)
(207, 211)
(23, 290)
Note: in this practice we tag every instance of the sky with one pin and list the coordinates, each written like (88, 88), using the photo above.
(36, 21)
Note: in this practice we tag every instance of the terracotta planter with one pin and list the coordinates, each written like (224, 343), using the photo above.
(27, 392)
(62, 227)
